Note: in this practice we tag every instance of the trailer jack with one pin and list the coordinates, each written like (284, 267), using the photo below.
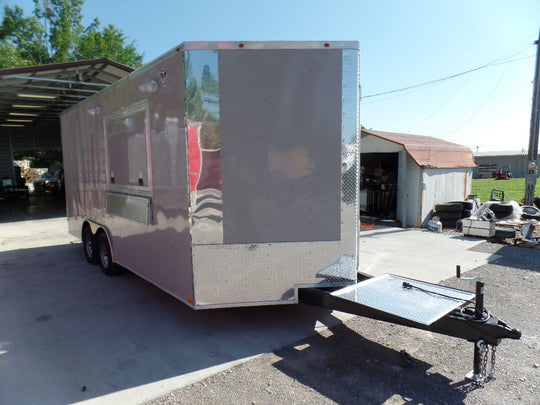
(479, 375)
(424, 306)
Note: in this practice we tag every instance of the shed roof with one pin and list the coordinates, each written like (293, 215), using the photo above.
(429, 152)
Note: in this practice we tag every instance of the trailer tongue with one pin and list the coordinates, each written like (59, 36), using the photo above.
(420, 305)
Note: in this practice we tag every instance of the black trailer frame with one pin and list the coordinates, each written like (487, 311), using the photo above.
(420, 305)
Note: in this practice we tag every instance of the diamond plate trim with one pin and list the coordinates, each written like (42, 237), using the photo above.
(424, 303)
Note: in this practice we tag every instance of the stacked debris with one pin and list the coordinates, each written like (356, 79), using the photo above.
(449, 213)
(501, 220)
(494, 219)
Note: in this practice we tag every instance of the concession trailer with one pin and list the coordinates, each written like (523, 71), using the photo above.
(227, 174)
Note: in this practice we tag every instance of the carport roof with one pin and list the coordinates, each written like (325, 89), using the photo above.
(34, 96)
(429, 152)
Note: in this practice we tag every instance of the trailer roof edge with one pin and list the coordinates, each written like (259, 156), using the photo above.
(224, 45)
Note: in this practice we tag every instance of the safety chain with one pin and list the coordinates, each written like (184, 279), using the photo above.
(485, 348)
(491, 375)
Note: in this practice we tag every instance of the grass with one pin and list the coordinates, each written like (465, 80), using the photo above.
(514, 189)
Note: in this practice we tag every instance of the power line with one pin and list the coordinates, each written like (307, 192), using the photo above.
(442, 105)
(435, 81)
(512, 53)
(480, 107)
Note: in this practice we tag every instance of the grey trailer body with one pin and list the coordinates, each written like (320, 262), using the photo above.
(224, 173)
(227, 175)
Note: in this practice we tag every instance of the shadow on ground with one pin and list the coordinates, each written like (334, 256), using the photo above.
(522, 257)
(365, 371)
(35, 206)
(72, 333)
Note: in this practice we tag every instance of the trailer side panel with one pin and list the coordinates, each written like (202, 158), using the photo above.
(126, 171)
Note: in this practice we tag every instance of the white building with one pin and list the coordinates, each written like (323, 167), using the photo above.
(514, 162)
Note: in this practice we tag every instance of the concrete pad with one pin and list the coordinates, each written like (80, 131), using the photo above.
(418, 253)
(69, 334)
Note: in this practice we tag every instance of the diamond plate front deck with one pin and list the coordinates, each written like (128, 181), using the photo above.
(423, 303)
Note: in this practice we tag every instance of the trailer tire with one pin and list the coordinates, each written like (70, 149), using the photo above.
(530, 212)
(105, 256)
(467, 205)
(501, 209)
(449, 215)
(449, 207)
(466, 213)
(89, 245)
(449, 223)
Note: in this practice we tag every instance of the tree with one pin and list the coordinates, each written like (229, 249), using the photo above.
(21, 39)
(54, 33)
(107, 43)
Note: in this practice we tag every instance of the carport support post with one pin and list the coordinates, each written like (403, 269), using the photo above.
(532, 166)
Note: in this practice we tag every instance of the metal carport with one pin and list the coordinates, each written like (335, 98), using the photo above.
(32, 97)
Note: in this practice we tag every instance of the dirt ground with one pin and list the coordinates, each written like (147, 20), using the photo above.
(370, 362)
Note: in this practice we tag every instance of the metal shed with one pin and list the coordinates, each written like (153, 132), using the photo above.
(403, 176)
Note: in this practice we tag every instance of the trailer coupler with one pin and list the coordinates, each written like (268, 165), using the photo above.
(421, 305)
(486, 334)
(479, 373)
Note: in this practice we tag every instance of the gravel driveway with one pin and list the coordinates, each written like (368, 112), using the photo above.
(367, 362)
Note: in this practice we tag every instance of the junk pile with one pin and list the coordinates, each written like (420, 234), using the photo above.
(493, 219)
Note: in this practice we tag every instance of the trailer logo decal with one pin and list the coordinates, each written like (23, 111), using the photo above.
(163, 77)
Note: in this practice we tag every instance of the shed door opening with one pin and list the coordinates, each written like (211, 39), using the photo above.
(378, 184)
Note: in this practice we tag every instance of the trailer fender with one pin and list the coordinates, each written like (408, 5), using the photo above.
(94, 226)
(96, 229)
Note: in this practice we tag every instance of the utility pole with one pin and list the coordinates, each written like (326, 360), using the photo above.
(532, 167)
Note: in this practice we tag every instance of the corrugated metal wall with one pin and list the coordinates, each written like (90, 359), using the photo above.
(517, 164)
(442, 186)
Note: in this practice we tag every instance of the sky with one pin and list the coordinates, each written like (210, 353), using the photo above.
(402, 44)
